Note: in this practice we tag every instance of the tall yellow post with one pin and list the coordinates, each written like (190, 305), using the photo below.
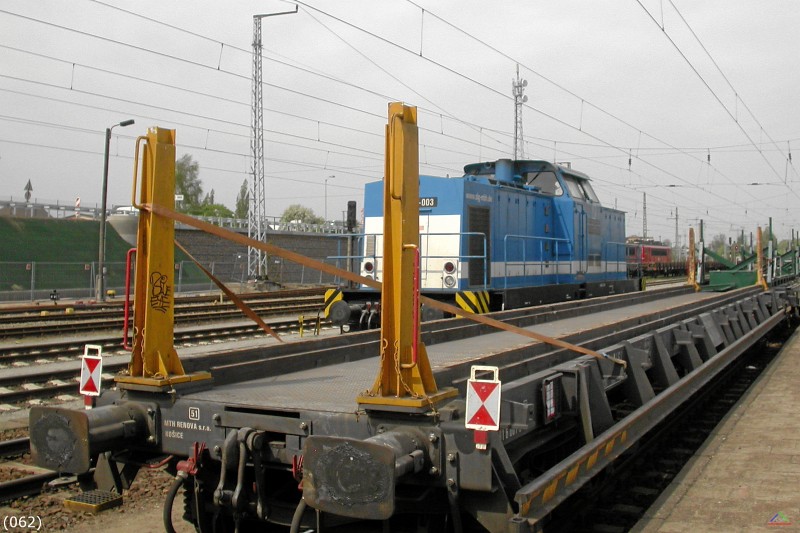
(760, 279)
(692, 263)
(405, 378)
(154, 361)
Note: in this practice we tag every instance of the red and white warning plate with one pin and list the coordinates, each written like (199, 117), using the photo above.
(91, 370)
(483, 400)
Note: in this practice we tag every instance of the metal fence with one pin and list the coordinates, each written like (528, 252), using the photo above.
(36, 280)
(19, 207)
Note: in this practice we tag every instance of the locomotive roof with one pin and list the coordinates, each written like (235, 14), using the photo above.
(522, 166)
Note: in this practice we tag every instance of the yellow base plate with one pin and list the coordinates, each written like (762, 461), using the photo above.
(121, 381)
(407, 401)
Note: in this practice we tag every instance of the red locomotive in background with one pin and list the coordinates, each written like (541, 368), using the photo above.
(648, 258)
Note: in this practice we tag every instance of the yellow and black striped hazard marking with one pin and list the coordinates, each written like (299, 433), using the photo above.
(331, 295)
(602, 454)
(476, 302)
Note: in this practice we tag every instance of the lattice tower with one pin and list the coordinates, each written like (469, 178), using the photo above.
(518, 88)
(256, 214)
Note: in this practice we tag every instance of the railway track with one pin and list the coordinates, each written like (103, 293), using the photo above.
(58, 322)
(31, 483)
(42, 351)
(656, 282)
(49, 381)
(180, 301)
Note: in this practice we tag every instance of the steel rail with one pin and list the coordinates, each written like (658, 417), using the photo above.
(665, 281)
(116, 322)
(70, 349)
(15, 447)
(59, 315)
(180, 301)
(25, 486)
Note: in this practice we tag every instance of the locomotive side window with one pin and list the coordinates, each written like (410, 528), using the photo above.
(545, 181)
(659, 253)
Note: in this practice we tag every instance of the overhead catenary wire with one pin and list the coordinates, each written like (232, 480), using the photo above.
(242, 76)
(730, 85)
(491, 89)
(482, 129)
(229, 100)
(711, 90)
(583, 101)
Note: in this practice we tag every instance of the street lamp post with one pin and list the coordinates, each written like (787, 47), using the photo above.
(326, 197)
(101, 293)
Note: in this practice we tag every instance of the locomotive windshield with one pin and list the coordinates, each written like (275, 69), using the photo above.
(580, 189)
(588, 191)
(545, 181)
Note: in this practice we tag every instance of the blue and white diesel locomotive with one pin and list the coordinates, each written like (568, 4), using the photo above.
(507, 234)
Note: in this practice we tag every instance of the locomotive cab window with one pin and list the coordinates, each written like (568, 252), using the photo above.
(547, 182)
(580, 189)
(574, 189)
(588, 192)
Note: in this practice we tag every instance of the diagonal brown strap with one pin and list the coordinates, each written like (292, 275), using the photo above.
(266, 247)
(447, 308)
(351, 276)
(235, 299)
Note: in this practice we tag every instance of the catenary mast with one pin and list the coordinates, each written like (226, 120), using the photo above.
(518, 88)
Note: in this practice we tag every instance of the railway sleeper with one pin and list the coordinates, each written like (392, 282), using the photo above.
(248, 465)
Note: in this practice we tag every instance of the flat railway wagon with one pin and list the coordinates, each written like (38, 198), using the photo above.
(506, 234)
(444, 428)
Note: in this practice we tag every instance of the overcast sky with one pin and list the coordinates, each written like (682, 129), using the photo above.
(700, 97)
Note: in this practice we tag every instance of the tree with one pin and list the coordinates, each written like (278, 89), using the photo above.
(718, 244)
(243, 201)
(210, 210)
(187, 182)
(297, 212)
(209, 198)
